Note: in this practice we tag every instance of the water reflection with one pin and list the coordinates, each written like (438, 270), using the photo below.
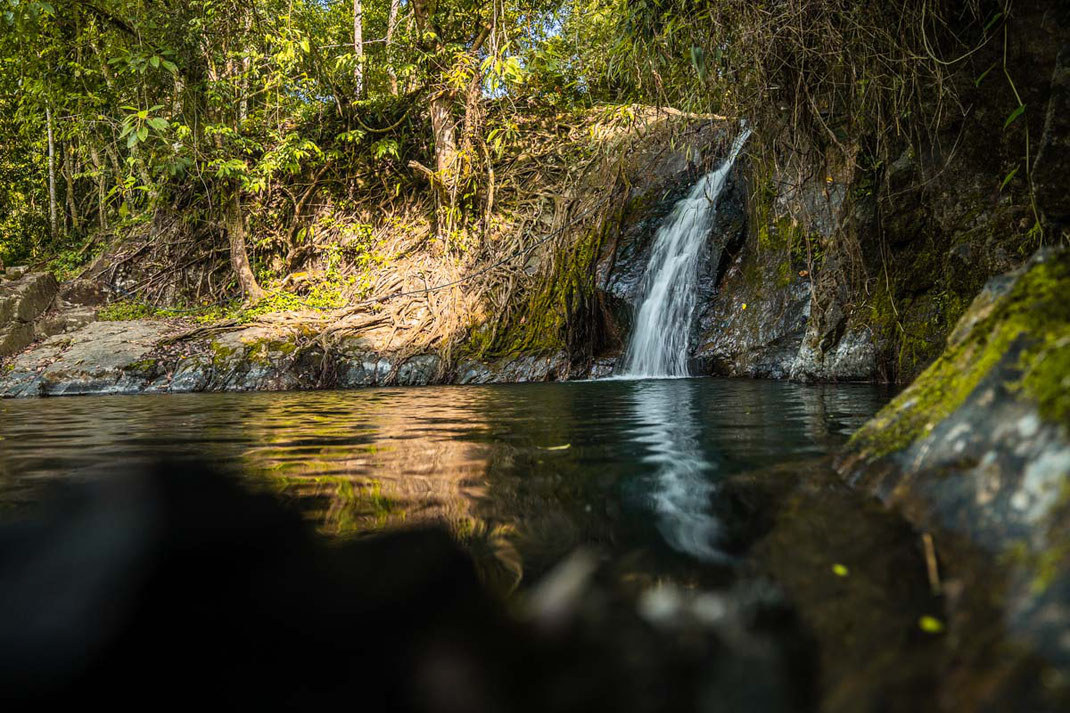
(681, 483)
(522, 474)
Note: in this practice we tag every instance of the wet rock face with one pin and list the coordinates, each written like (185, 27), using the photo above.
(21, 302)
(977, 450)
(754, 327)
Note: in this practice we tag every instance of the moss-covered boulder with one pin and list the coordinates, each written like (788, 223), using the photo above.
(977, 451)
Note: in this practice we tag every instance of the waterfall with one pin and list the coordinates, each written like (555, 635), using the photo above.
(660, 339)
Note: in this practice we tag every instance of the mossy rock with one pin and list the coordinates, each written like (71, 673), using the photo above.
(977, 452)
(1028, 312)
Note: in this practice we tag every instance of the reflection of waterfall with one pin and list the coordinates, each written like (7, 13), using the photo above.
(681, 486)
(659, 343)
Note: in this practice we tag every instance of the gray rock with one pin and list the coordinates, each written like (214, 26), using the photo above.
(85, 293)
(28, 297)
(102, 357)
(977, 450)
(419, 370)
(61, 321)
(15, 337)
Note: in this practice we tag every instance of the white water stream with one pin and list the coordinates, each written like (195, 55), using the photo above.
(661, 337)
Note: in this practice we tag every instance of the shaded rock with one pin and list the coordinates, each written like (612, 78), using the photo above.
(26, 298)
(61, 321)
(86, 293)
(755, 325)
(849, 356)
(21, 302)
(474, 372)
(977, 450)
(1053, 157)
(420, 370)
(15, 337)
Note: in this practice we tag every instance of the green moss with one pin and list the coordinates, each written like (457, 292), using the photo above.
(543, 326)
(220, 353)
(1046, 375)
(1036, 310)
(144, 366)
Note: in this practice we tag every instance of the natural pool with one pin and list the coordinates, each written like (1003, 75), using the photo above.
(704, 484)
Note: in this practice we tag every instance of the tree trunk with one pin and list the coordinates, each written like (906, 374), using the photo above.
(51, 174)
(68, 177)
(246, 63)
(358, 46)
(239, 257)
(444, 130)
(391, 24)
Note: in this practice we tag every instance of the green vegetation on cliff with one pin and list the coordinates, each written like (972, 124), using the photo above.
(1029, 325)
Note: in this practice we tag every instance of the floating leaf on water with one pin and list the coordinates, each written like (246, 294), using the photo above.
(558, 448)
(931, 625)
(840, 570)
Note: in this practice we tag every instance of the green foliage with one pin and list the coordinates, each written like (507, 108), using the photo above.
(125, 311)
(69, 262)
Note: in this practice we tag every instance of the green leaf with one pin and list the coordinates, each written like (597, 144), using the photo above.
(131, 140)
(159, 123)
(143, 133)
(977, 82)
(698, 61)
(1008, 177)
(155, 62)
(993, 21)
(1014, 115)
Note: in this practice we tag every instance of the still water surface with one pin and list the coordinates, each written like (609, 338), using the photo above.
(540, 467)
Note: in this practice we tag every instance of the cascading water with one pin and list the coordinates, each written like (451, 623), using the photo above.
(660, 339)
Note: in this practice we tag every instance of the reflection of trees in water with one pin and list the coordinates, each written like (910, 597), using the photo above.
(370, 463)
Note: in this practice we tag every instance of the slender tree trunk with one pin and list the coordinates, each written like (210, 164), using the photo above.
(391, 24)
(239, 256)
(358, 46)
(98, 166)
(243, 103)
(52, 223)
(68, 177)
